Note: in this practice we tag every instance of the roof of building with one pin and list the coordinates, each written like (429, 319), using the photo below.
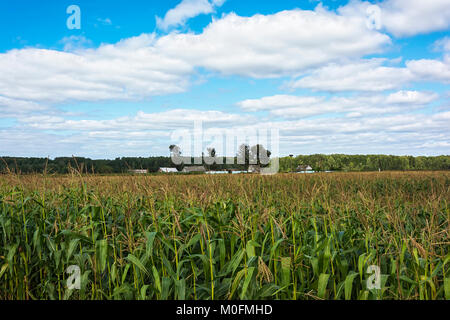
(194, 169)
(168, 170)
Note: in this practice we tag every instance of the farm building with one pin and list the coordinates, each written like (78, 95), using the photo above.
(304, 168)
(194, 169)
(138, 171)
(168, 170)
(236, 171)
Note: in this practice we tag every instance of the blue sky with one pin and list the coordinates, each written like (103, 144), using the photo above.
(352, 77)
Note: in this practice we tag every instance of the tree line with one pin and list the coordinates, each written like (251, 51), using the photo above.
(343, 162)
(319, 162)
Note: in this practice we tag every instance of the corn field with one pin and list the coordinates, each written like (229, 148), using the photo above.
(226, 237)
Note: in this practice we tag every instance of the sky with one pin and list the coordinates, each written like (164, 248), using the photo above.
(122, 78)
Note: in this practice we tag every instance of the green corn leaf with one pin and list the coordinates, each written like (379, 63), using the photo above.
(137, 263)
(349, 284)
(361, 264)
(322, 285)
(125, 272)
(103, 254)
(248, 279)
(237, 279)
(144, 291)
(165, 288)
(72, 246)
(180, 286)
(156, 278)
(447, 288)
(285, 271)
(235, 261)
(222, 252)
(149, 244)
(3, 269)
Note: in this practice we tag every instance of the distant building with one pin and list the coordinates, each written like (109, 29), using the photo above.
(234, 171)
(168, 170)
(304, 168)
(138, 171)
(194, 169)
(217, 172)
(254, 168)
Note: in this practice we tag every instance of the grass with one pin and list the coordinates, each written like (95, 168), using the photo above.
(287, 236)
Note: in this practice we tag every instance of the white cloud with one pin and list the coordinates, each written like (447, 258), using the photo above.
(186, 10)
(14, 107)
(74, 43)
(278, 101)
(442, 44)
(431, 70)
(143, 134)
(405, 17)
(411, 97)
(410, 17)
(168, 120)
(355, 106)
(365, 75)
(129, 69)
(371, 75)
(284, 43)
(105, 21)
(326, 45)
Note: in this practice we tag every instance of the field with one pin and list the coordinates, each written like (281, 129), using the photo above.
(287, 236)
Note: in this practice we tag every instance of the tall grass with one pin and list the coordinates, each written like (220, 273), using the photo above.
(226, 237)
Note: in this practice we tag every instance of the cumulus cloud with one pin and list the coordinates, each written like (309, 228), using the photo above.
(168, 120)
(280, 44)
(73, 43)
(186, 10)
(130, 69)
(323, 50)
(410, 17)
(16, 107)
(405, 17)
(278, 101)
(372, 76)
(261, 46)
(431, 70)
(407, 133)
(288, 106)
(364, 75)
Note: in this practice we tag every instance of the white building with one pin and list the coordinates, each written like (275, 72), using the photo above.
(168, 170)
(217, 172)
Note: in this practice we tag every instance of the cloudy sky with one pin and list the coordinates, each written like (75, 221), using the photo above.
(352, 77)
